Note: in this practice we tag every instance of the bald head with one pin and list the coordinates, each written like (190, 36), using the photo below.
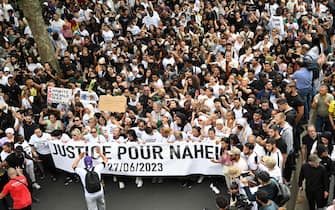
(11, 173)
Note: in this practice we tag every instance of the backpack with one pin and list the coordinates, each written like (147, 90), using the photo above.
(92, 181)
(312, 66)
(283, 193)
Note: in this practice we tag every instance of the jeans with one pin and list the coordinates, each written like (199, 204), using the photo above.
(96, 202)
(322, 124)
(307, 95)
(30, 169)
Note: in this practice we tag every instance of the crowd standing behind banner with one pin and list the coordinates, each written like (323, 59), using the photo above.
(246, 76)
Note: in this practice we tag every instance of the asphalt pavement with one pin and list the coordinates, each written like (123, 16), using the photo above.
(169, 195)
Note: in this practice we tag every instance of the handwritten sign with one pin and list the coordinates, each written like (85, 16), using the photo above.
(113, 103)
(59, 95)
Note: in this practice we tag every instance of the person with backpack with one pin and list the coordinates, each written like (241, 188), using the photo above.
(90, 177)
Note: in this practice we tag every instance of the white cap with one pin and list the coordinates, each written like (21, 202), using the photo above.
(9, 130)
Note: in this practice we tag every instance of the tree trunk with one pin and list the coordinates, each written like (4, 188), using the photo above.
(33, 13)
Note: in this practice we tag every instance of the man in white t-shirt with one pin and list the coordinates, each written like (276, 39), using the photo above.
(273, 151)
(94, 200)
(235, 156)
(152, 18)
(40, 149)
(95, 137)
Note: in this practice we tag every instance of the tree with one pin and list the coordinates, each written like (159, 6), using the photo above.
(33, 13)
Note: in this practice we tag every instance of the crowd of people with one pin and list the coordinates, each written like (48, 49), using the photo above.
(249, 75)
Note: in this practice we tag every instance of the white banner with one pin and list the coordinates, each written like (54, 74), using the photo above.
(150, 159)
(59, 95)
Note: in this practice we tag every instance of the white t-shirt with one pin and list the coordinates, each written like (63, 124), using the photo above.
(251, 160)
(241, 164)
(278, 157)
(41, 143)
(99, 139)
(154, 20)
(4, 155)
(26, 147)
(108, 35)
(82, 173)
(274, 173)
(150, 137)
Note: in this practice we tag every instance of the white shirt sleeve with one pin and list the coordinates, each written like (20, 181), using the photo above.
(313, 150)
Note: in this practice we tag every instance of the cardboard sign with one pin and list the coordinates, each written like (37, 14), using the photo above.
(113, 103)
(59, 95)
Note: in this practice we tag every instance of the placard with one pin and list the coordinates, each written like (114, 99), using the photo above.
(59, 95)
(113, 103)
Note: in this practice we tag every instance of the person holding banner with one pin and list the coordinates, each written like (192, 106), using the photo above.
(94, 200)
(41, 150)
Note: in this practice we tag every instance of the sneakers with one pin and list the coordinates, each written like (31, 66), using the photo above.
(201, 178)
(214, 189)
(122, 185)
(139, 182)
(154, 180)
(68, 181)
(36, 186)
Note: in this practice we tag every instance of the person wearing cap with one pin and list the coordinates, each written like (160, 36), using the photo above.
(235, 156)
(269, 164)
(93, 200)
(316, 182)
(9, 136)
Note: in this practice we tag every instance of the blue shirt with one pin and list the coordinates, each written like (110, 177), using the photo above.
(271, 206)
(303, 78)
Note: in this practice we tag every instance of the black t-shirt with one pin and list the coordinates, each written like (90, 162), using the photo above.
(15, 160)
(13, 93)
(29, 130)
(281, 145)
(294, 101)
(308, 141)
(291, 115)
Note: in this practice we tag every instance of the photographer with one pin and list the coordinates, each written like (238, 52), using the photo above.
(238, 201)
(265, 184)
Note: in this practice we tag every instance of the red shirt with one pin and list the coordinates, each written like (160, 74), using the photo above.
(19, 192)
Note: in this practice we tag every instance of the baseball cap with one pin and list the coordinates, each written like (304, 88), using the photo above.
(88, 161)
(234, 151)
